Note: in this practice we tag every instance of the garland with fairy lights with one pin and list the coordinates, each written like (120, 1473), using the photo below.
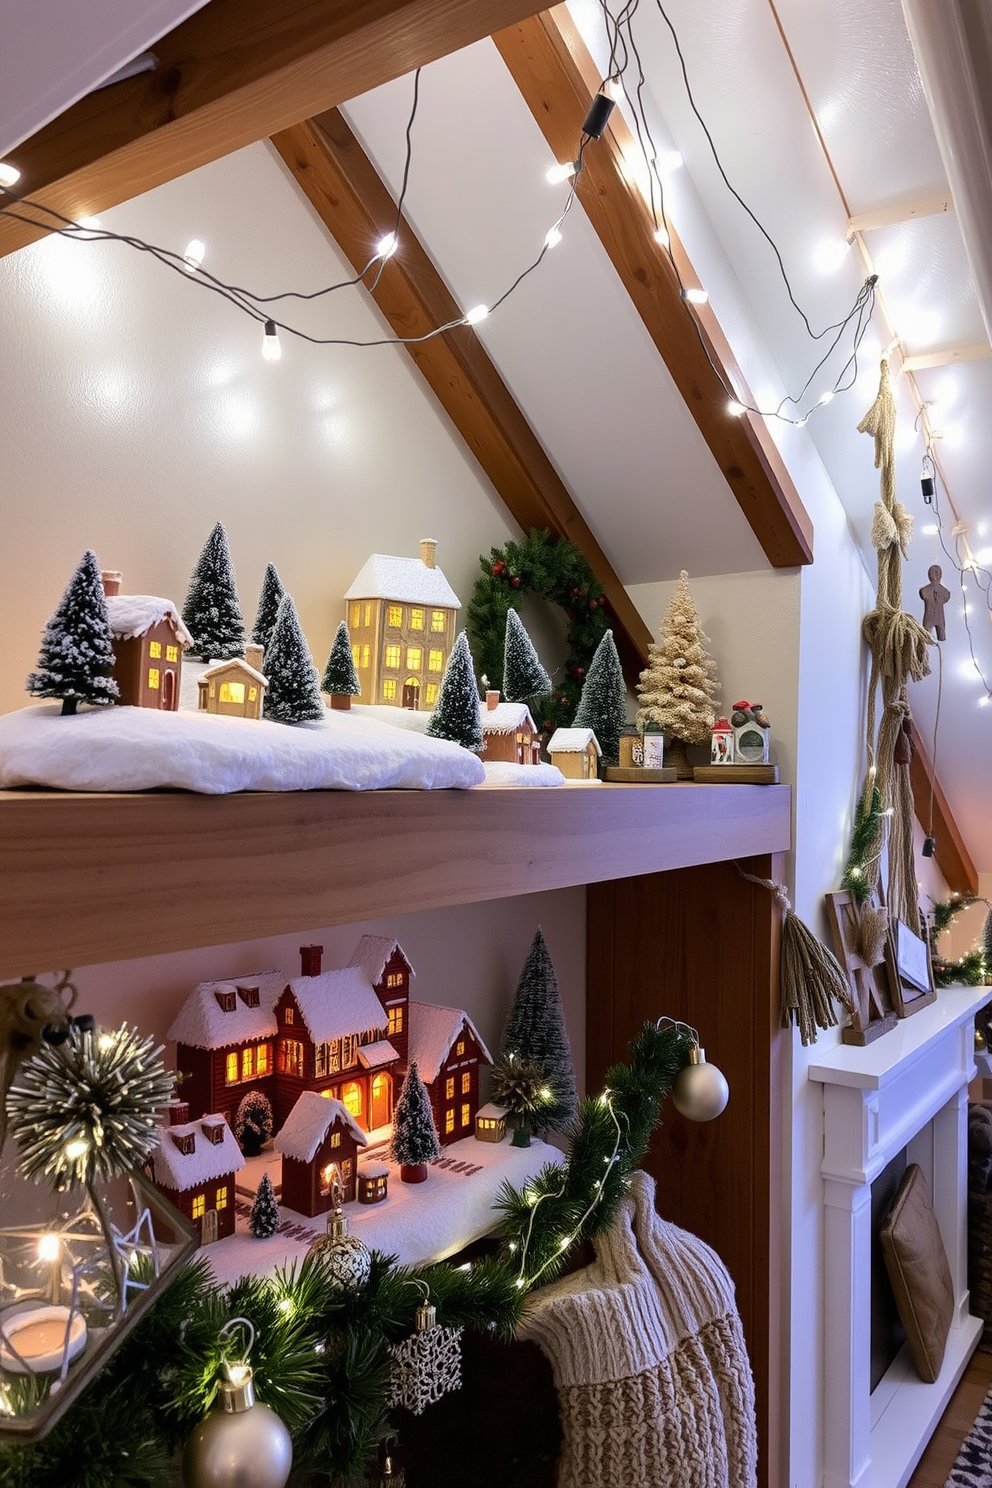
(974, 968)
(554, 569)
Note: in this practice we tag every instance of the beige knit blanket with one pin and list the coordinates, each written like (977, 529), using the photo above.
(649, 1360)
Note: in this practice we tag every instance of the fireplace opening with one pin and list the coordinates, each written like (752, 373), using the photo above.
(887, 1332)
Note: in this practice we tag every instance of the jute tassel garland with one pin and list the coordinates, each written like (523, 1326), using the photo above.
(810, 977)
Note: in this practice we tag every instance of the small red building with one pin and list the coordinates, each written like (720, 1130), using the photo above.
(449, 1050)
(194, 1166)
(225, 1032)
(319, 1144)
(149, 641)
(510, 733)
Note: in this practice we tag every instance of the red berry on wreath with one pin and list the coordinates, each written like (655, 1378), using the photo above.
(515, 583)
(573, 593)
(498, 568)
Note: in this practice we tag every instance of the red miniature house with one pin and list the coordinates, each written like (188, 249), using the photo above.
(449, 1050)
(373, 1182)
(319, 1145)
(225, 1033)
(194, 1166)
(149, 641)
(510, 733)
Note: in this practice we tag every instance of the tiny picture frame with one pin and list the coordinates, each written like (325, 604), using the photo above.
(873, 1011)
(907, 957)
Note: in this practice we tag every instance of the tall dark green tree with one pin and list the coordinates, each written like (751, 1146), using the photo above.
(77, 650)
(264, 1218)
(415, 1139)
(212, 613)
(268, 605)
(523, 675)
(535, 1031)
(292, 695)
(457, 715)
(340, 675)
(603, 704)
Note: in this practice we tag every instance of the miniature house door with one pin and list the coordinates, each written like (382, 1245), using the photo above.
(411, 693)
(381, 1109)
(209, 1234)
(168, 699)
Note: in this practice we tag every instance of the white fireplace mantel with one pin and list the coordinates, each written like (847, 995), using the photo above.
(876, 1101)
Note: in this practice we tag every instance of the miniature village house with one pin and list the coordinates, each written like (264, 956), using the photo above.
(319, 1143)
(490, 1123)
(194, 1166)
(149, 640)
(510, 732)
(449, 1050)
(401, 617)
(225, 1035)
(576, 752)
(235, 687)
(373, 1181)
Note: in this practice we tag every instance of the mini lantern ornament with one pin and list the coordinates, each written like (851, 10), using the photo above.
(347, 1261)
(243, 1445)
(700, 1090)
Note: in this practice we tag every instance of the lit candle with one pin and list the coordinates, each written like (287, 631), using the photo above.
(39, 1336)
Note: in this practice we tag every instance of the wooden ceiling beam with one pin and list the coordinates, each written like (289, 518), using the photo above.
(558, 79)
(952, 856)
(356, 207)
(233, 73)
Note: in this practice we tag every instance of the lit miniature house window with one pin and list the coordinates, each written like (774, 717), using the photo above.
(460, 1047)
(437, 621)
(466, 1114)
(393, 656)
(368, 614)
(155, 649)
(247, 1063)
(172, 653)
(366, 656)
(327, 1175)
(220, 1201)
(356, 616)
(394, 979)
(349, 1050)
(449, 1088)
(252, 694)
(289, 1015)
(335, 1139)
(291, 1058)
(389, 689)
(351, 1098)
(466, 1083)
(320, 1060)
(356, 652)
(333, 1056)
(346, 1167)
(153, 678)
(431, 693)
(416, 619)
(199, 1206)
(394, 616)
(395, 1020)
(414, 657)
(263, 1058)
(232, 692)
(231, 1072)
(435, 661)
(449, 1120)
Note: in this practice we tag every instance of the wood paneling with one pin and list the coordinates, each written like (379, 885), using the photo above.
(701, 944)
(233, 73)
(355, 206)
(558, 79)
(89, 878)
(952, 855)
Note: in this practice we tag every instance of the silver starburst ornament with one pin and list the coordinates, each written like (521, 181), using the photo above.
(426, 1365)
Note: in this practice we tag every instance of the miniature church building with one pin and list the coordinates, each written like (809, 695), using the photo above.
(510, 732)
(576, 752)
(319, 1144)
(194, 1166)
(149, 640)
(235, 687)
(448, 1049)
(401, 618)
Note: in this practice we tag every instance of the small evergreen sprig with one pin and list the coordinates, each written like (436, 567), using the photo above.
(866, 837)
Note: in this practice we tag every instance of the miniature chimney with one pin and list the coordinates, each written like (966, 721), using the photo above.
(492, 699)
(310, 960)
(253, 656)
(428, 548)
(111, 578)
(178, 1113)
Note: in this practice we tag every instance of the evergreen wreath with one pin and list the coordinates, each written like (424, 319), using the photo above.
(975, 967)
(553, 568)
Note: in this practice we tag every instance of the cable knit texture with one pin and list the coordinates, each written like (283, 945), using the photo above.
(649, 1360)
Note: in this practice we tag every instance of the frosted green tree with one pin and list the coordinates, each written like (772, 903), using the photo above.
(415, 1139)
(292, 695)
(457, 715)
(268, 606)
(678, 689)
(523, 675)
(264, 1218)
(76, 656)
(603, 704)
(535, 1033)
(340, 675)
(212, 613)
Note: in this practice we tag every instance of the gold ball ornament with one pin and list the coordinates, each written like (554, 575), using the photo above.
(700, 1090)
(244, 1445)
(347, 1261)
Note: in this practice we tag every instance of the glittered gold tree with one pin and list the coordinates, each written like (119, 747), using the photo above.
(678, 689)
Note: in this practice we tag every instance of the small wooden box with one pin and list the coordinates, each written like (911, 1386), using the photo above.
(735, 774)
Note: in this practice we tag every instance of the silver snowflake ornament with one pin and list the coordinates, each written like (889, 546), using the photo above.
(426, 1365)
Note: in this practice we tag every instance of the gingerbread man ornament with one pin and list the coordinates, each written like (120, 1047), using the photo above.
(934, 597)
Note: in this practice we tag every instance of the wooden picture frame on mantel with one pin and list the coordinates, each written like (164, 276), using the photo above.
(907, 958)
(873, 1013)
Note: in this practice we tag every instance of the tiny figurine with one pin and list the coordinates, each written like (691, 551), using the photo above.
(76, 659)
(340, 680)
(603, 704)
(722, 750)
(194, 1166)
(235, 688)
(934, 596)
(576, 752)
(401, 617)
(751, 734)
(509, 731)
(523, 675)
(149, 641)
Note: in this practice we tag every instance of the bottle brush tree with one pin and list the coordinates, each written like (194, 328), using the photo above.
(76, 656)
(340, 677)
(264, 1218)
(457, 715)
(253, 1122)
(678, 689)
(523, 675)
(415, 1140)
(268, 607)
(212, 613)
(535, 1033)
(603, 704)
(292, 695)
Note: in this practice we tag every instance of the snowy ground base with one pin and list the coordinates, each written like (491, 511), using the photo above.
(417, 1222)
(502, 772)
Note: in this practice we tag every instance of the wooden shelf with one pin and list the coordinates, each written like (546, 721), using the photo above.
(90, 878)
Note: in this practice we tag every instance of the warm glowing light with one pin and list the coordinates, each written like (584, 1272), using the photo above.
(559, 173)
(9, 174)
(827, 397)
(193, 257)
(670, 160)
(477, 313)
(49, 1248)
(546, 1093)
(855, 872)
(931, 529)
(271, 350)
(735, 409)
(829, 256)
(387, 246)
(661, 236)
(76, 1149)
(696, 296)
(520, 1282)
(90, 223)
(969, 670)
(983, 702)
(285, 1304)
(239, 1374)
(552, 237)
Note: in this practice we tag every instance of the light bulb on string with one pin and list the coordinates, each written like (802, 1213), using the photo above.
(661, 236)
(696, 296)
(735, 409)
(193, 257)
(563, 172)
(552, 237)
(9, 174)
(827, 397)
(477, 313)
(271, 350)
(387, 245)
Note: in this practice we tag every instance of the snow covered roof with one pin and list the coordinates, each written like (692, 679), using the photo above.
(433, 1030)
(372, 1056)
(208, 1160)
(374, 951)
(492, 1112)
(572, 741)
(336, 1003)
(407, 580)
(132, 615)
(506, 718)
(221, 666)
(373, 1169)
(308, 1124)
(203, 1024)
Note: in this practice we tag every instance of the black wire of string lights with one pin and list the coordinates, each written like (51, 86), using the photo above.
(623, 48)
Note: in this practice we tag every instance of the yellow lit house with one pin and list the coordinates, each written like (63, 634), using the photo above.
(401, 616)
(235, 687)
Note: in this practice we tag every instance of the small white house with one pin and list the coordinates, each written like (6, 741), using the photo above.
(576, 752)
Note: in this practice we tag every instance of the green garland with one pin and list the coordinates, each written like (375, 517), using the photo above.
(865, 838)
(554, 569)
(975, 966)
(321, 1356)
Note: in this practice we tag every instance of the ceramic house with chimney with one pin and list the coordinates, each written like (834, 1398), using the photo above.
(194, 1165)
(401, 618)
(449, 1051)
(225, 1034)
(149, 640)
(319, 1144)
(235, 687)
(509, 732)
